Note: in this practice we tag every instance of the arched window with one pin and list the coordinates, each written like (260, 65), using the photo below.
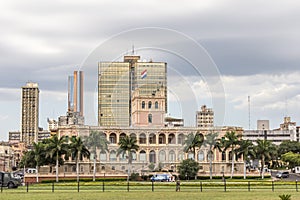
(180, 138)
(172, 156)
(102, 156)
(161, 139)
(180, 156)
(142, 138)
(191, 155)
(113, 138)
(122, 157)
(133, 136)
(162, 156)
(223, 156)
(142, 155)
(112, 156)
(133, 155)
(171, 139)
(156, 105)
(152, 138)
(200, 156)
(143, 104)
(122, 135)
(210, 155)
(149, 118)
(152, 156)
(149, 104)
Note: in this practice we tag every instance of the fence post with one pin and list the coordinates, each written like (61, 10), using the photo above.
(248, 186)
(224, 185)
(52, 186)
(296, 185)
(272, 186)
(27, 186)
(200, 186)
(103, 186)
(127, 186)
(152, 186)
(78, 186)
(1, 187)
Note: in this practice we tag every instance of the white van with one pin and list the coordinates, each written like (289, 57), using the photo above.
(296, 169)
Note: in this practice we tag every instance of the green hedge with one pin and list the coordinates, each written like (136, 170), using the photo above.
(85, 180)
(234, 177)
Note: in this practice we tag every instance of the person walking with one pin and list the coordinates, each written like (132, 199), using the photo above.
(178, 186)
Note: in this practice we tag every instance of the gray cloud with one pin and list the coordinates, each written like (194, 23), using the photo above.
(46, 41)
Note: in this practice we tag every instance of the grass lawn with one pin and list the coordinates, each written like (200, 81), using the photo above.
(145, 195)
(162, 191)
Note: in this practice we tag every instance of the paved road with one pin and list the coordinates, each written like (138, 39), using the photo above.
(292, 176)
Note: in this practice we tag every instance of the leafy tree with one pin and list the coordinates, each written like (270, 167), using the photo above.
(263, 151)
(56, 147)
(27, 160)
(188, 168)
(79, 150)
(96, 141)
(292, 158)
(192, 142)
(210, 141)
(126, 147)
(288, 146)
(245, 149)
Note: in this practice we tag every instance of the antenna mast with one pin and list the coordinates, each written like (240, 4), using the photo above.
(132, 49)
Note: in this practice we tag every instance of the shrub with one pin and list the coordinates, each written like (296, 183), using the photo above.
(134, 176)
(285, 197)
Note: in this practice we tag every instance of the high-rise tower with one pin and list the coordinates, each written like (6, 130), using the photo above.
(75, 101)
(117, 82)
(205, 117)
(30, 114)
(75, 93)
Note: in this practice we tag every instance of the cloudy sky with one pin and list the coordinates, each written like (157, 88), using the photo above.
(254, 48)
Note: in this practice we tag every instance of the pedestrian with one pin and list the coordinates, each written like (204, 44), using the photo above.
(177, 186)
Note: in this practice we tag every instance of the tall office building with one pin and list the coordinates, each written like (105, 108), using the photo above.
(205, 117)
(118, 80)
(30, 114)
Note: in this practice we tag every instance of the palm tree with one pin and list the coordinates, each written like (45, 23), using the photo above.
(192, 142)
(57, 147)
(245, 149)
(96, 140)
(263, 151)
(211, 141)
(38, 152)
(79, 150)
(126, 146)
(231, 141)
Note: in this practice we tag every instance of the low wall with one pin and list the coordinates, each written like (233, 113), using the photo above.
(31, 178)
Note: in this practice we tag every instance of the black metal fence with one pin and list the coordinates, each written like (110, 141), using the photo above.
(157, 186)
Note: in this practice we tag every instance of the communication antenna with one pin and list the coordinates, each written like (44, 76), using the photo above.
(132, 49)
(249, 116)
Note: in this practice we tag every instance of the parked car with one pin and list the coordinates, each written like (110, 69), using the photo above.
(282, 175)
(7, 179)
(161, 177)
(31, 171)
